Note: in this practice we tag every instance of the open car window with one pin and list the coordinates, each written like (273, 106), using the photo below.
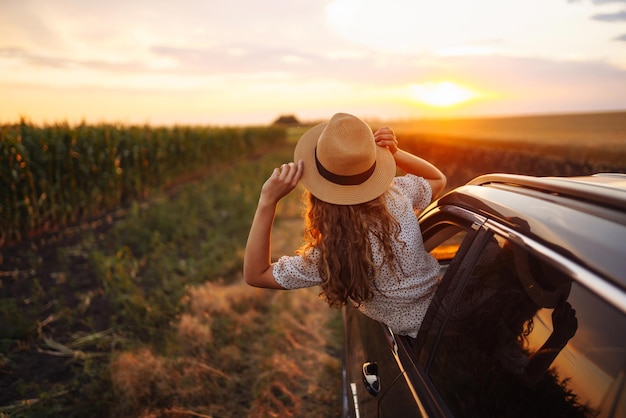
(446, 250)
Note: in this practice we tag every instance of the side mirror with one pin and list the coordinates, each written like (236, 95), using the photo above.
(370, 378)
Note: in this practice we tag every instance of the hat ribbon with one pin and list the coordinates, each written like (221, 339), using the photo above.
(352, 180)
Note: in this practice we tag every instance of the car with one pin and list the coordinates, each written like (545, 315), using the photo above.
(529, 317)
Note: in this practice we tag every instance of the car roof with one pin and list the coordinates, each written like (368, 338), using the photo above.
(603, 189)
(582, 218)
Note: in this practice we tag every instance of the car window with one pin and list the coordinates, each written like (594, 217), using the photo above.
(500, 350)
(594, 361)
(445, 251)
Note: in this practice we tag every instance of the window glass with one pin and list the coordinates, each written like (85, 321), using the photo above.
(519, 340)
(594, 360)
(445, 243)
(446, 250)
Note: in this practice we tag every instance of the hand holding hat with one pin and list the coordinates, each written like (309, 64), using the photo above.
(385, 137)
(343, 164)
(282, 181)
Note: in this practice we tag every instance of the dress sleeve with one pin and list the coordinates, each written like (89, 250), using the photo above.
(295, 272)
(416, 188)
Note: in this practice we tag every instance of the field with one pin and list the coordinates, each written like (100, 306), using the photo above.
(562, 145)
(140, 310)
(591, 129)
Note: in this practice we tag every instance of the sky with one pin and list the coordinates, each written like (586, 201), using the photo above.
(236, 62)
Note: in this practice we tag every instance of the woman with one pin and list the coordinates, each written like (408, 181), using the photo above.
(363, 243)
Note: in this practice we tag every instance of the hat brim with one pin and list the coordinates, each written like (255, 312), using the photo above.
(339, 194)
(546, 298)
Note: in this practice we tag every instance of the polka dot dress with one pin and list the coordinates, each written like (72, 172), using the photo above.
(400, 303)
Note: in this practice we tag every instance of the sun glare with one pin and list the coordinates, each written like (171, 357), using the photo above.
(440, 93)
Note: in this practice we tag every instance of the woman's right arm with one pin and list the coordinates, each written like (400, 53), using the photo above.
(257, 265)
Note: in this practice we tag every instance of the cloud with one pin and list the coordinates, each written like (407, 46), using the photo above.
(598, 1)
(621, 38)
(310, 52)
(407, 25)
(607, 1)
(58, 61)
(239, 57)
(610, 17)
(31, 58)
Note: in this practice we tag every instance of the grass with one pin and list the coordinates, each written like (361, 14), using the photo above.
(54, 176)
(145, 314)
(142, 311)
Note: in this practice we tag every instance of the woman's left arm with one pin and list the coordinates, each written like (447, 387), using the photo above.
(257, 266)
(565, 325)
(385, 137)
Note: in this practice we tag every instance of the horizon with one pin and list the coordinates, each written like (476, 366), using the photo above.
(307, 122)
(208, 63)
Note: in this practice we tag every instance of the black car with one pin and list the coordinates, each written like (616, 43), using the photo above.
(513, 251)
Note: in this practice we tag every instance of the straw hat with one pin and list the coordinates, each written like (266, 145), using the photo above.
(545, 285)
(342, 163)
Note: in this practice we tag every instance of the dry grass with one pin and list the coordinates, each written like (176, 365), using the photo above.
(173, 330)
(241, 351)
(194, 332)
(140, 377)
(300, 373)
(285, 362)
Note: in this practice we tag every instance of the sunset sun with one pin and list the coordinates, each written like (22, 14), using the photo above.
(440, 93)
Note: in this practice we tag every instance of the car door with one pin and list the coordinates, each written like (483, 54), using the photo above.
(401, 393)
(370, 355)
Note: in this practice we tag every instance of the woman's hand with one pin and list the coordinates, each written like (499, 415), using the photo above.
(564, 323)
(385, 137)
(257, 264)
(282, 181)
(410, 163)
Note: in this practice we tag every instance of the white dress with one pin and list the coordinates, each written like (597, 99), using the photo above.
(399, 302)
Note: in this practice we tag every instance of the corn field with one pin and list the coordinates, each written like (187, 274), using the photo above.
(57, 175)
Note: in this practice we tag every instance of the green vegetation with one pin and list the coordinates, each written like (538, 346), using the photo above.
(57, 175)
(121, 252)
(144, 313)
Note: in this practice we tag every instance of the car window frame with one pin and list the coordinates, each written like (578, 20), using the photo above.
(432, 223)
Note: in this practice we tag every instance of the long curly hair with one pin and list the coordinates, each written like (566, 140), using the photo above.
(341, 234)
(510, 311)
